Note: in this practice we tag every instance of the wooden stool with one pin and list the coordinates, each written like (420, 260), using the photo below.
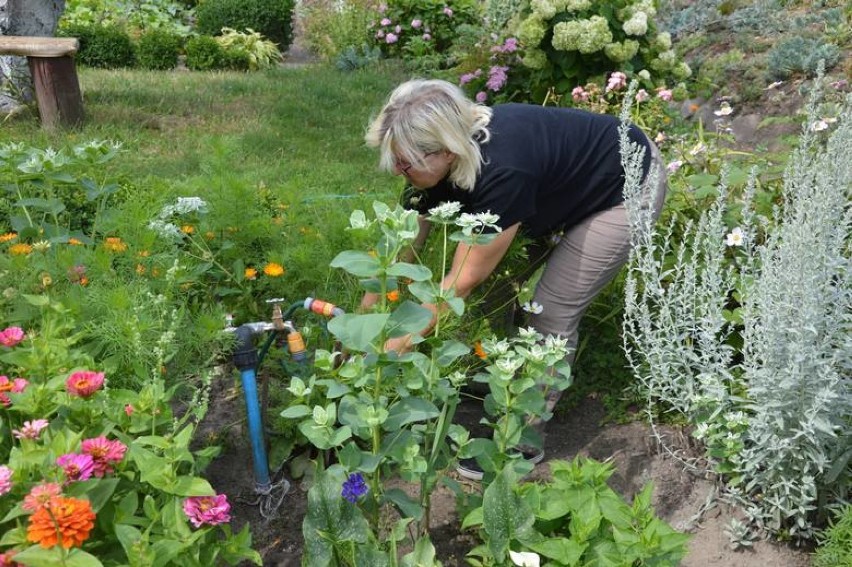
(51, 62)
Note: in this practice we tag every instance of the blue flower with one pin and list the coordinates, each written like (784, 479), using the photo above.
(354, 487)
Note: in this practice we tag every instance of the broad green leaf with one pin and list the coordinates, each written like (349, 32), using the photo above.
(15, 536)
(358, 331)
(450, 351)
(192, 486)
(505, 515)
(408, 318)
(128, 536)
(474, 518)
(296, 412)
(424, 291)
(562, 550)
(98, 492)
(357, 263)
(409, 507)
(422, 556)
(165, 550)
(414, 272)
(409, 410)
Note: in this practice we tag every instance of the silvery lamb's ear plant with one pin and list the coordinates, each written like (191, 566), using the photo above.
(775, 413)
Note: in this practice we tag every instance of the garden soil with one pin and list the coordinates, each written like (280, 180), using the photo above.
(683, 499)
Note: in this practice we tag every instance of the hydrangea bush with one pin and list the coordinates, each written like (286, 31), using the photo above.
(566, 42)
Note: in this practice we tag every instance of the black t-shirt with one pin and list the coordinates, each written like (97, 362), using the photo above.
(545, 167)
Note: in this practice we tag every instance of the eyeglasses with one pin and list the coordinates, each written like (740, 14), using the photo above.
(404, 166)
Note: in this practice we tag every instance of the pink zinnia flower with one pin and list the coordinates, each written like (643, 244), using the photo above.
(11, 336)
(481, 96)
(386, 22)
(104, 453)
(15, 386)
(84, 383)
(76, 467)
(210, 510)
(617, 80)
(5, 479)
(391, 38)
(448, 11)
(31, 429)
(579, 94)
(416, 24)
(665, 94)
(40, 495)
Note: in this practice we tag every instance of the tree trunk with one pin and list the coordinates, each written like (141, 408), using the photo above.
(27, 18)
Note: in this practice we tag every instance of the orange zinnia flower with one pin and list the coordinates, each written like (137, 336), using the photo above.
(273, 270)
(74, 242)
(187, 229)
(114, 244)
(250, 274)
(20, 249)
(8, 236)
(63, 521)
(479, 351)
(393, 295)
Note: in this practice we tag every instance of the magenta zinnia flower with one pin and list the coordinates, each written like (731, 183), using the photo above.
(76, 467)
(11, 336)
(5, 479)
(31, 429)
(210, 510)
(104, 453)
(40, 495)
(84, 383)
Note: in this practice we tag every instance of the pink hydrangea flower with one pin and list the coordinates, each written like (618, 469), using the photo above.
(104, 454)
(642, 95)
(665, 94)
(391, 38)
(617, 81)
(496, 78)
(386, 21)
(579, 94)
(5, 479)
(31, 429)
(481, 96)
(84, 383)
(210, 510)
(11, 336)
(40, 495)
(416, 24)
(448, 11)
(76, 466)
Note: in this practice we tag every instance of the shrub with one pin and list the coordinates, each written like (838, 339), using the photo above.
(272, 18)
(249, 50)
(134, 17)
(104, 46)
(203, 53)
(158, 50)
(835, 544)
(800, 55)
(331, 28)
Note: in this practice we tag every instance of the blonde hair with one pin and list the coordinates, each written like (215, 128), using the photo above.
(427, 116)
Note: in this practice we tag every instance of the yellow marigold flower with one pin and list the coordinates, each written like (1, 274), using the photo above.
(8, 236)
(273, 270)
(250, 274)
(74, 242)
(20, 249)
(393, 295)
(114, 244)
(63, 521)
(187, 229)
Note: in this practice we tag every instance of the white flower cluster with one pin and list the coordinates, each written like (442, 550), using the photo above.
(445, 211)
(470, 222)
(586, 36)
(637, 24)
(163, 226)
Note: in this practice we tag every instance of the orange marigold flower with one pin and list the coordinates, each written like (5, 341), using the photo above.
(8, 236)
(74, 242)
(63, 521)
(273, 270)
(114, 244)
(393, 295)
(20, 249)
(84, 281)
(187, 229)
(250, 274)
(479, 351)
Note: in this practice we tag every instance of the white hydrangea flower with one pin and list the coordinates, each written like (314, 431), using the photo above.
(637, 24)
(446, 211)
(534, 58)
(544, 8)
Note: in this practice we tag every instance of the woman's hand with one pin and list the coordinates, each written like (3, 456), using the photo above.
(400, 345)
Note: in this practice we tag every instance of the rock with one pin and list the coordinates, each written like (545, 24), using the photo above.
(744, 128)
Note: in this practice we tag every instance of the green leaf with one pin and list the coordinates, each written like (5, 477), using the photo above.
(98, 491)
(128, 536)
(409, 507)
(563, 550)
(457, 305)
(409, 410)
(474, 518)
(408, 318)
(414, 272)
(450, 351)
(38, 556)
(192, 486)
(358, 331)
(14, 536)
(506, 515)
(296, 412)
(422, 556)
(165, 550)
(357, 263)
(424, 291)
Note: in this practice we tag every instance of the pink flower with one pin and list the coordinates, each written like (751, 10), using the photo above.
(11, 336)
(5, 479)
(840, 85)
(76, 467)
(509, 46)
(210, 510)
(386, 22)
(427, 37)
(617, 81)
(481, 96)
(448, 11)
(391, 38)
(579, 94)
(398, 30)
(416, 24)
(383, 8)
(496, 78)
(84, 383)
(642, 95)
(104, 454)
(15, 386)
(40, 495)
(31, 429)
(380, 34)
(665, 94)
(466, 78)
(674, 166)
(128, 410)
(6, 559)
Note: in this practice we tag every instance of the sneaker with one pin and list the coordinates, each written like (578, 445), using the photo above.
(470, 469)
